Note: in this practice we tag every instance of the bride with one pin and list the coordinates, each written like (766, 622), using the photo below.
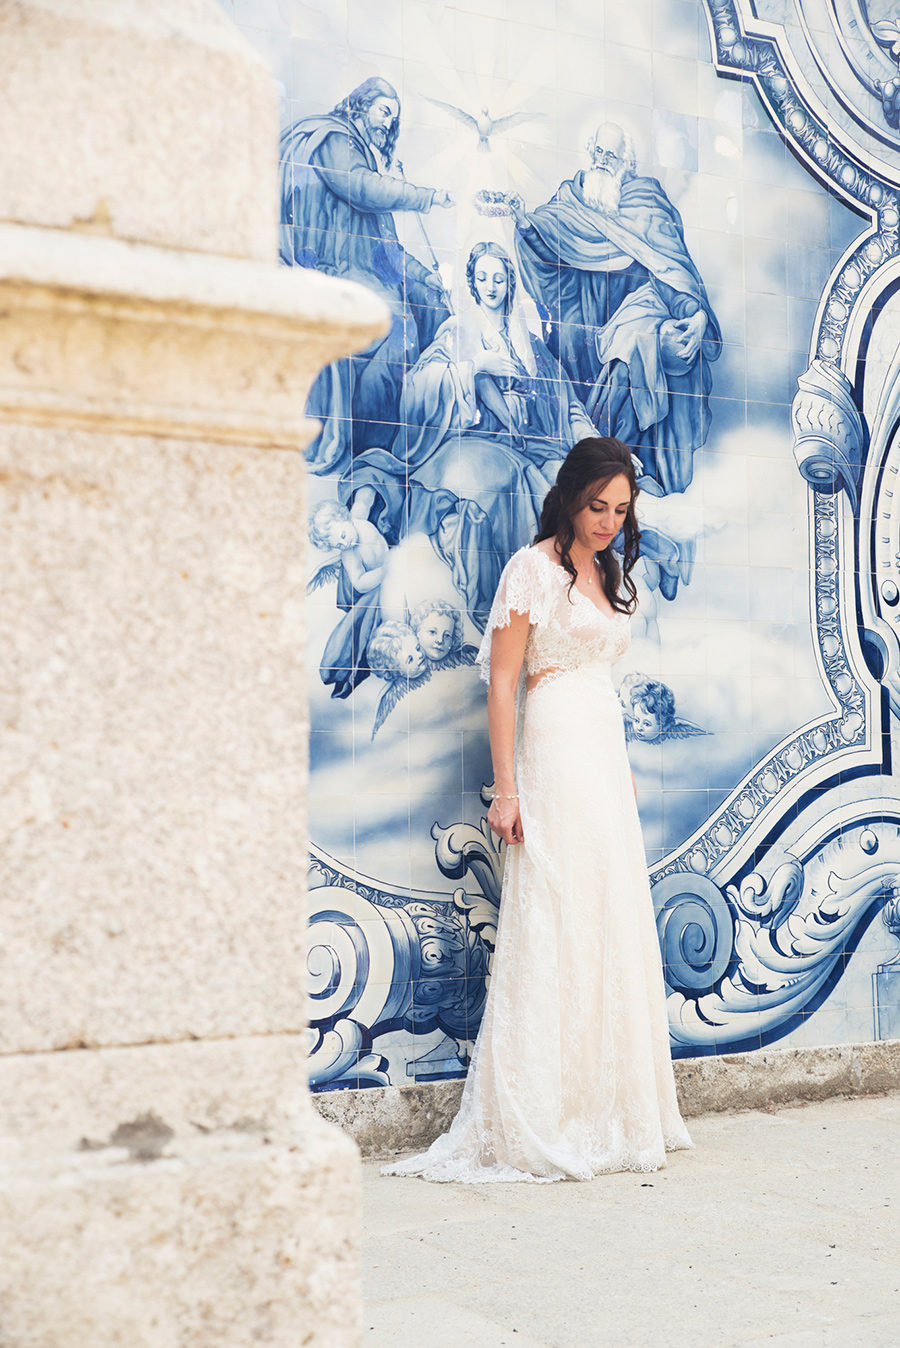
(571, 1076)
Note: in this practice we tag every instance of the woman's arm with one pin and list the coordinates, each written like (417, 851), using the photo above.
(507, 654)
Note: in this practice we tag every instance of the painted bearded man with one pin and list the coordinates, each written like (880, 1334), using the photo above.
(340, 184)
(631, 321)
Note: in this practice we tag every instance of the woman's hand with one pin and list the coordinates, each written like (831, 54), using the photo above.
(505, 819)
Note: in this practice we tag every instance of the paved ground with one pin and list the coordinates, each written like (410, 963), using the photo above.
(781, 1228)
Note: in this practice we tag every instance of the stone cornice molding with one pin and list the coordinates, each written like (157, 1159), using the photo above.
(101, 334)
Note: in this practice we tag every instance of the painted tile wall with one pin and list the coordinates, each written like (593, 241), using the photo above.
(734, 317)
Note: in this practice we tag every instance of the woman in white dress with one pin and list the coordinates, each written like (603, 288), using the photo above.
(571, 1075)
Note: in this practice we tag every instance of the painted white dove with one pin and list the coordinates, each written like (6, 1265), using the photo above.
(484, 124)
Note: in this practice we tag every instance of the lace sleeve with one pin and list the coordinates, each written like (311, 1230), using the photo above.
(522, 589)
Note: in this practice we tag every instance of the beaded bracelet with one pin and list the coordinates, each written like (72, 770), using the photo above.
(514, 796)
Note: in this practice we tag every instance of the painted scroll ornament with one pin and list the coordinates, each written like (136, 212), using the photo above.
(829, 436)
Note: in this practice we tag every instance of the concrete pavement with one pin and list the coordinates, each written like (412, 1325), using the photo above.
(780, 1228)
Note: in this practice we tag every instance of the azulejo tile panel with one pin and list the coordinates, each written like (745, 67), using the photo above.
(678, 224)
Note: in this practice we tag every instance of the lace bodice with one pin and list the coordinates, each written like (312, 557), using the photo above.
(566, 632)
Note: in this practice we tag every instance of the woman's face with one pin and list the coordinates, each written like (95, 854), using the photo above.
(491, 284)
(410, 660)
(598, 522)
(435, 633)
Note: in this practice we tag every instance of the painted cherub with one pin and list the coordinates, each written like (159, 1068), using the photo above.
(394, 654)
(359, 570)
(407, 654)
(649, 711)
(438, 628)
(363, 551)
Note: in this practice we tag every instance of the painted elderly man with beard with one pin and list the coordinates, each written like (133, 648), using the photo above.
(631, 321)
(340, 184)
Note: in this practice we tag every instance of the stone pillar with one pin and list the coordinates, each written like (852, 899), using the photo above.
(164, 1181)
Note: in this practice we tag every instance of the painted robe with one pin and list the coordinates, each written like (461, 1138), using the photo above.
(336, 214)
(609, 281)
(476, 454)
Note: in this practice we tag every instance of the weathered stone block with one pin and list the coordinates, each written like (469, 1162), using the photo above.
(152, 620)
(221, 1241)
(152, 122)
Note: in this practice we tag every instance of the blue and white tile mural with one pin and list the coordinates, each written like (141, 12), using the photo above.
(677, 222)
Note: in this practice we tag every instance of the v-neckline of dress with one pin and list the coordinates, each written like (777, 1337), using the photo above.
(610, 617)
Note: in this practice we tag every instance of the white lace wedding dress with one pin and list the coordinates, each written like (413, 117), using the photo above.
(571, 1075)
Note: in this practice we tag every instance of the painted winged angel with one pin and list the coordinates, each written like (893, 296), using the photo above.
(359, 570)
(407, 654)
(649, 711)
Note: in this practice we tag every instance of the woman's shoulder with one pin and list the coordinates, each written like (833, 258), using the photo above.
(536, 559)
(547, 549)
(524, 559)
(527, 580)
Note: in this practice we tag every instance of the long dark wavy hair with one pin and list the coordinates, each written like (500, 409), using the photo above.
(584, 473)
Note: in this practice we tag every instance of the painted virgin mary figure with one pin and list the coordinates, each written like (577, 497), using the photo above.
(487, 417)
